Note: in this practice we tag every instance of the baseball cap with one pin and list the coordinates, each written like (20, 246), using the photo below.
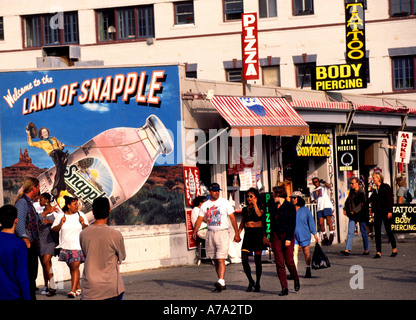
(296, 194)
(214, 187)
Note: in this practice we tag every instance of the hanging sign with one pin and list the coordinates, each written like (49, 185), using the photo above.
(404, 218)
(347, 152)
(192, 184)
(250, 46)
(352, 74)
(404, 146)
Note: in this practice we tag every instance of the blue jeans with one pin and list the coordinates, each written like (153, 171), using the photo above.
(350, 236)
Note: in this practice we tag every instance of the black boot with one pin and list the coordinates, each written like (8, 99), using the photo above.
(284, 292)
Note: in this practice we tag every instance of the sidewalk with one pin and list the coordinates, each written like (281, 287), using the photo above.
(355, 277)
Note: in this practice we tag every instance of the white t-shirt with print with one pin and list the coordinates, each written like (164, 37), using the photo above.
(216, 213)
(69, 233)
(320, 195)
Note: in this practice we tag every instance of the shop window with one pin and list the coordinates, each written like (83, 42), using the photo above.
(1, 29)
(302, 7)
(402, 8)
(125, 23)
(267, 8)
(233, 9)
(304, 74)
(184, 12)
(43, 30)
(271, 76)
(403, 73)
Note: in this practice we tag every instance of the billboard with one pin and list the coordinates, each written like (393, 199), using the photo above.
(93, 132)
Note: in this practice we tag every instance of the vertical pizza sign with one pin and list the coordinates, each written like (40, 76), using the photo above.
(250, 46)
(192, 184)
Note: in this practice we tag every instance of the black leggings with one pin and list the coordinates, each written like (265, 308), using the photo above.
(377, 230)
(247, 269)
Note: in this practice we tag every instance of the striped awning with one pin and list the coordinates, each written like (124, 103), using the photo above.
(346, 106)
(316, 104)
(257, 115)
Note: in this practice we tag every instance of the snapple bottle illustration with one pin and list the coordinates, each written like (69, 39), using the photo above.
(115, 164)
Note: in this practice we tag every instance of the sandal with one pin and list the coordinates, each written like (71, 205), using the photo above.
(51, 293)
(71, 295)
(78, 292)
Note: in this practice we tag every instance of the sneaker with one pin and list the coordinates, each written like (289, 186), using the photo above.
(331, 239)
(45, 290)
(219, 287)
(325, 240)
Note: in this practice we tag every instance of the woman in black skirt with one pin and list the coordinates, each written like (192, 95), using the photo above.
(251, 222)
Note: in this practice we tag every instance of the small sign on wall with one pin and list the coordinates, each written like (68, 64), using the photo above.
(404, 146)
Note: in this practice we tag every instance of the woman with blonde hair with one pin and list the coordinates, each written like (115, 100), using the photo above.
(382, 205)
(28, 227)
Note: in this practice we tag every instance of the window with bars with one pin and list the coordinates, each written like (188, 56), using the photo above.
(184, 12)
(125, 23)
(1, 29)
(402, 8)
(41, 30)
(233, 9)
(404, 73)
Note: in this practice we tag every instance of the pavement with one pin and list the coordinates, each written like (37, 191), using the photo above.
(354, 277)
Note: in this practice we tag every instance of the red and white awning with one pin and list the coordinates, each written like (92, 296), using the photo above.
(347, 106)
(315, 104)
(249, 115)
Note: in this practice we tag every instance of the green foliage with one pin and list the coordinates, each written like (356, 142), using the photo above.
(153, 205)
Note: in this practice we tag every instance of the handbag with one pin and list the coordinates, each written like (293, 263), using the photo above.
(319, 259)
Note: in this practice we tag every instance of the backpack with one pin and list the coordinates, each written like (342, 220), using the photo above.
(408, 196)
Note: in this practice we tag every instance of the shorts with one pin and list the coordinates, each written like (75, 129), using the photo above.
(327, 212)
(70, 256)
(217, 244)
(303, 243)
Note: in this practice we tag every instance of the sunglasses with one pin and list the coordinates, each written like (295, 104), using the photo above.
(250, 197)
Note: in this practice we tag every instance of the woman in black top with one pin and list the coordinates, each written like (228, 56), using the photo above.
(251, 222)
(283, 223)
(382, 205)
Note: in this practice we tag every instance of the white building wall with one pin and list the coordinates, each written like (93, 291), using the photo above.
(211, 40)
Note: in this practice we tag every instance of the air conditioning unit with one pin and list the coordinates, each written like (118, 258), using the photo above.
(68, 53)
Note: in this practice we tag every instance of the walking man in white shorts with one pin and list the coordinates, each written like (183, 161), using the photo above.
(217, 210)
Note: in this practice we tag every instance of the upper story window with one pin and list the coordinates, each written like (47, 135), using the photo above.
(184, 12)
(302, 7)
(402, 8)
(51, 29)
(404, 73)
(267, 8)
(1, 29)
(233, 9)
(125, 23)
(304, 74)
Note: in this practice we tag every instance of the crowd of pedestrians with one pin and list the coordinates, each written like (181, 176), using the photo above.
(31, 233)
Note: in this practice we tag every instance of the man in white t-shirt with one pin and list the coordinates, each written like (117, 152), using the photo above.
(324, 208)
(218, 213)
